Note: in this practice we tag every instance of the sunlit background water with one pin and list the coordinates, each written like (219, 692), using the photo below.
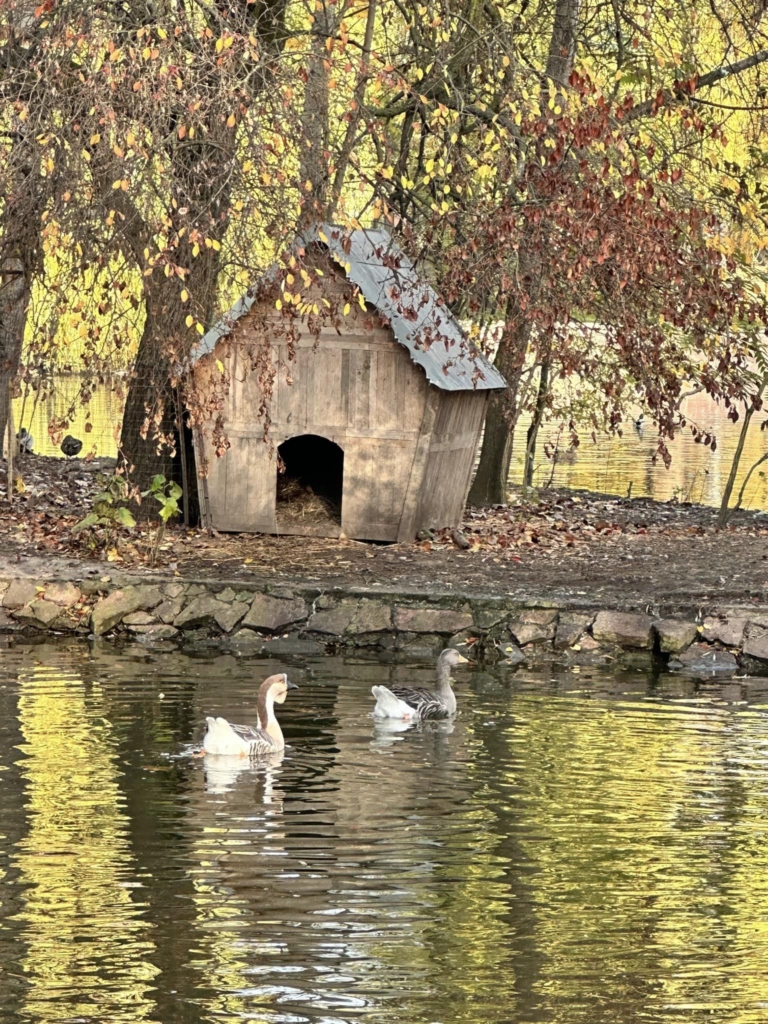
(610, 465)
(576, 850)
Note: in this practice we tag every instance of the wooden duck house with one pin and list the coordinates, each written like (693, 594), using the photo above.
(373, 397)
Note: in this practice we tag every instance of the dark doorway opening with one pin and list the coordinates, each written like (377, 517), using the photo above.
(310, 477)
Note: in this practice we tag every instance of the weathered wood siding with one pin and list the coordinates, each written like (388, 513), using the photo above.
(358, 389)
(408, 447)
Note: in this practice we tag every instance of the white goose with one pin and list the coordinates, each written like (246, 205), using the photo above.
(413, 704)
(224, 738)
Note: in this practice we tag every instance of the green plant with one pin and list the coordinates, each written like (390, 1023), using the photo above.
(109, 515)
(167, 493)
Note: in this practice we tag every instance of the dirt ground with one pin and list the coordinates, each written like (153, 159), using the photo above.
(557, 546)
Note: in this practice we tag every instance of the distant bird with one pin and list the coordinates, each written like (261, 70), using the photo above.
(71, 446)
(412, 704)
(639, 423)
(24, 441)
(225, 738)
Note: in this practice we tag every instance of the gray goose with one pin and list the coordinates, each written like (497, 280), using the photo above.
(225, 738)
(414, 704)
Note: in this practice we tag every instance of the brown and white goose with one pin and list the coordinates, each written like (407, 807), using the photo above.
(414, 704)
(229, 740)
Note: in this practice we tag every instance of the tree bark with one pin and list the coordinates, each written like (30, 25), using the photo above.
(538, 416)
(14, 299)
(490, 484)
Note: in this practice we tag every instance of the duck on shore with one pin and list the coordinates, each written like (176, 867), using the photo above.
(71, 446)
(225, 738)
(414, 704)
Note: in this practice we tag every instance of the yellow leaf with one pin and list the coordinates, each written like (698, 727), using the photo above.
(95, 139)
(215, 245)
(190, 320)
(278, 304)
(162, 33)
(219, 45)
(231, 121)
(19, 485)
(347, 308)
(247, 561)
(200, 329)
(113, 555)
(220, 366)
(118, 183)
(361, 300)
(322, 236)
(184, 294)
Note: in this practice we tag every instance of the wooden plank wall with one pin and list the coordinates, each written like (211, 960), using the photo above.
(358, 388)
(448, 473)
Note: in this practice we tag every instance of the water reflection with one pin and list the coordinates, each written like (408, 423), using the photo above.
(612, 465)
(575, 850)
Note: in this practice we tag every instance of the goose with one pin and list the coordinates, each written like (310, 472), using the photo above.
(25, 441)
(223, 737)
(413, 704)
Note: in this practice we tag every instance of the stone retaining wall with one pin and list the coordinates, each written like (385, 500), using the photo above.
(280, 620)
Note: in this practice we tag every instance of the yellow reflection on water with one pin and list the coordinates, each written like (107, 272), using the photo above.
(86, 951)
(649, 845)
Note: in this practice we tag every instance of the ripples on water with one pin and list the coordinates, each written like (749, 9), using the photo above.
(574, 851)
(609, 464)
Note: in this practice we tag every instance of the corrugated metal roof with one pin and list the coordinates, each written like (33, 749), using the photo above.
(389, 281)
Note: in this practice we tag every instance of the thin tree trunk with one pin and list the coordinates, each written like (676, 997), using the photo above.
(490, 484)
(724, 514)
(14, 300)
(538, 416)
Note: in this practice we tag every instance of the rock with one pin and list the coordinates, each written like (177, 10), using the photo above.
(110, 610)
(570, 628)
(38, 613)
(173, 590)
(729, 632)
(167, 610)
(139, 619)
(150, 634)
(702, 660)
(284, 592)
(64, 594)
(201, 611)
(274, 613)
(432, 620)
(247, 636)
(421, 646)
(627, 629)
(511, 654)
(195, 589)
(532, 632)
(229, 615)
(675, 635)
(756, 643)
(538, 616)
(150, 595)
(487, 618)
(281, 647)
(352, 617)
(227, 595)
(6, 622)
(245, 596)
(19, 593)
(92, 587)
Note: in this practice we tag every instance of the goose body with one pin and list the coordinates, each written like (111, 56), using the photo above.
(229, 740)
(415, 704)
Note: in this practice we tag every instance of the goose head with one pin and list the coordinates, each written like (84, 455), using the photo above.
(450, 658)
(277, 687)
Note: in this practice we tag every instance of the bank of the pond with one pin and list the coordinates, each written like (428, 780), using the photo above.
(280, 620)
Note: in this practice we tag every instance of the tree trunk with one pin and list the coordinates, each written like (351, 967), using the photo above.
(490, 484)
(724, 514)
(149, 436)
(538, 416)
(14, 299)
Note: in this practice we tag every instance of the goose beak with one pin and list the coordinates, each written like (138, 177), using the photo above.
(290, 686)
(463, 660)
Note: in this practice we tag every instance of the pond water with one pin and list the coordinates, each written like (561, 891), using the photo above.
(578, 849)
(609, 464)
